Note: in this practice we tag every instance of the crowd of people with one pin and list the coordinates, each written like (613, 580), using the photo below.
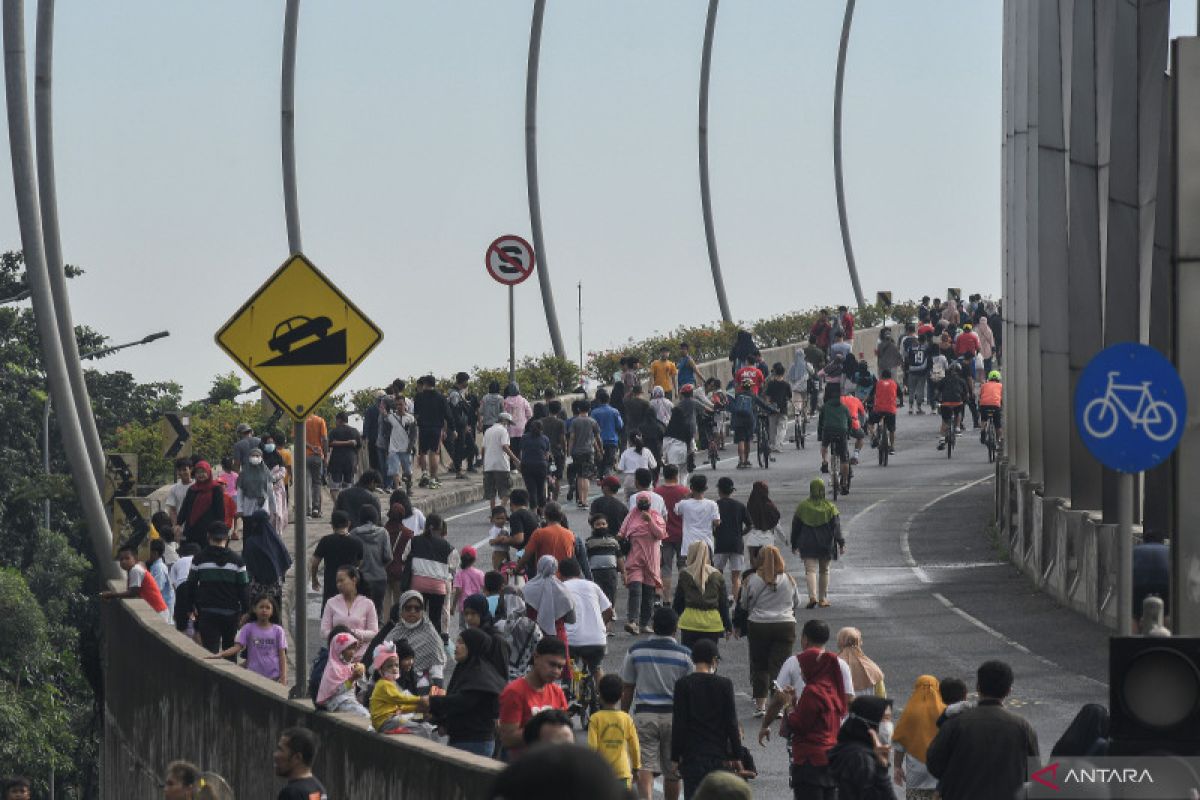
(419, 638)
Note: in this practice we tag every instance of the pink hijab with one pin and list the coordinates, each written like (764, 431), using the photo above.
(337, 671)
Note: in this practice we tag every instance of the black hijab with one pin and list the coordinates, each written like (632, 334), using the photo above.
(865, 714)
(478, 673)
(1089, 727)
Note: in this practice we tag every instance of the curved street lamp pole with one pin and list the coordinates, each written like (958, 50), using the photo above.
(710, 235)
(839, 184)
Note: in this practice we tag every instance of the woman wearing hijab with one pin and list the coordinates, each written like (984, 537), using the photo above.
(814, 722)
(469, 709)
(914, 732)
(399, 533)
(274, 461)
(336, 692)
(520, 410)
(771, 597)
(645, 531)
(950, 313)
(204, 503)
(267, 559)
(701, 600)
(859, 761)
(1086, 736)
(868, 677)
(764, 519)
(521, 634)
(254, 486)
(660, 406)
(411, 624)
(547, 601)
(817, 538)
(477, 614)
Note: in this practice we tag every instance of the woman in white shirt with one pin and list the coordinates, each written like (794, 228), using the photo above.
(636, 456)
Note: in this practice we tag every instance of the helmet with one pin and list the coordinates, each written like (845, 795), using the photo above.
(994, 375)
(687, 388)
(967, 327)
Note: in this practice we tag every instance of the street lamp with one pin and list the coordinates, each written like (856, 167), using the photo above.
(103, 351)
(16, 298)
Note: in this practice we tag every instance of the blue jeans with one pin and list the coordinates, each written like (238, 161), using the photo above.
(478, 748)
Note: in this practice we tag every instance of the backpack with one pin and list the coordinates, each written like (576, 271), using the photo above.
(316, 672)
(939, 371)
(835, 368)
(743, 405)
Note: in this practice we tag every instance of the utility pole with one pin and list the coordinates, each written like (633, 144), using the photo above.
(710, 235)
(838, 180)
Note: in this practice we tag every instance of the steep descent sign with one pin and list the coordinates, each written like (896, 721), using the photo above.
(509, 260)
(298, 336)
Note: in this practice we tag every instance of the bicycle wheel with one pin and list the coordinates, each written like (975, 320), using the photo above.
(589, 700)
(1159, 421)
(1100, 418)
(881, 446)
(835, 474)
(803, 429)
(990, 438)
(764, 447)
(950, 437)
(798, 430)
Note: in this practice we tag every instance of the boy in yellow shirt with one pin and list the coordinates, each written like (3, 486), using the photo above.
(612, 734)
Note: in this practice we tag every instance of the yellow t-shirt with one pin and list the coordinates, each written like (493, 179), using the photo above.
(388, 700)
(613, 735)
(662, 373)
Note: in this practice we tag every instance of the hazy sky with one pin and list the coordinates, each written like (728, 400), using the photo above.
(410, 139)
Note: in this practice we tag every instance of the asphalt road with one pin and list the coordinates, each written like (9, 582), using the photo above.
(920, 578)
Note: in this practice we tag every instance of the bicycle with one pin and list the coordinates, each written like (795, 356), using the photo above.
(764, 441)
(879, 440)
(583, 698)
(1156, 417)
(953, 432)
(988, 437)
(708, 438)
(801, 430)
(835, 469)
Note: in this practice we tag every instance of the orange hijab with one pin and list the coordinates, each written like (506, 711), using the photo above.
(918, 723)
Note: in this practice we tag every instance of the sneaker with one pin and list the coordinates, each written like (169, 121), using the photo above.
(460, 476)
(825, 467)
(854, 459)
(434, 483)
(759, 712)
(823, 604)
(846, 487)
(631, 628)
(910, 410)
(891, 451)
(424, 482)
(647, 629)
(941, 444)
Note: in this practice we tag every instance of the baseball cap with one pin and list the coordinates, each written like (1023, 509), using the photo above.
(687, 388)
(610, 482)
(468, 551)
(243, 428)
(505, 417)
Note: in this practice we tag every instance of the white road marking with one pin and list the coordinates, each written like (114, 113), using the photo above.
(906, 550)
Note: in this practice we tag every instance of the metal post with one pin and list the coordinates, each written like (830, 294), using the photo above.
(710, 235)
(299, 528)
(579, 286)
(46, 455)
(512, 337)
(1125, 553)
(531, 176)
(25, 189)
(48, 194)
(838, 183)
(287, 112)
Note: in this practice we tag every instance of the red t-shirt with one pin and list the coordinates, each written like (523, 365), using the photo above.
(141, 579)
(967, 344)
(885, 396)
(672, 494)
(751, 372)
(519, 701)
(855, 407)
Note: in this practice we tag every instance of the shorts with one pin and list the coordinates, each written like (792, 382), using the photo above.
(735, 561)
(993, 413)
(585, 465)
(590, 654)
(742, 433)
(837, 442)
(948, 410)
(396, 462)
(669, 556)
(497, 482)
(654, 740)
(340, 480)
(886, 417)
(429, 440)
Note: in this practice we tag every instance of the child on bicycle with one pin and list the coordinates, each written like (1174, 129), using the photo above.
(991, 399)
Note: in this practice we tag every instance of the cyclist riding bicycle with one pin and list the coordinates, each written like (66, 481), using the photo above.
(883, 401)
(833, 427)
(744, 408)
(953, 396)
(858, 419)
(991, 399)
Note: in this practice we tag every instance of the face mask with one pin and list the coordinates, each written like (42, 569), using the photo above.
(886, 729)
(268, 448)
(255, 460)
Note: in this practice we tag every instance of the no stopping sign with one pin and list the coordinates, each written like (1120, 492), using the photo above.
(509, 260)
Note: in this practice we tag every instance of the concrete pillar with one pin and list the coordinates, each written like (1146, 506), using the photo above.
(1084, 250)
(1018, 345)
(1009, 239)
(1139, 55)
(1033, 288)
(1185, 547)
(1051, 332)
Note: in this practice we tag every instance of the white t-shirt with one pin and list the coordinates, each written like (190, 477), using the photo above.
(698, 518)
(495, 439)
(136, 576)
(631, 462)
(493, 532)
(656, 503)
(590, 604)
(179, 570)
(790, 675)
(175, 497)
(415, 522)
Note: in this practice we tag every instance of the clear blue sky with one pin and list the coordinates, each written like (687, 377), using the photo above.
(411, 159)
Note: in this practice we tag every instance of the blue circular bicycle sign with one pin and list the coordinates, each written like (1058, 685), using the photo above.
(1130, 407)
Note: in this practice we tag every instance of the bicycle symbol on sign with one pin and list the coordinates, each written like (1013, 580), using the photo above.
(1156, 417)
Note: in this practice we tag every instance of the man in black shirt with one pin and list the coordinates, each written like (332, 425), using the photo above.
(521, 521)
(430, 409)
(344, 443)
(336, 549)
(704, 726)
(293, 758)
(353, 499)
(728, 548)
(608, 504)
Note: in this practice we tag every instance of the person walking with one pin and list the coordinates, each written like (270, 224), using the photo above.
(521, 412)
(584, 445)
(316, 459)
(548, 601)
(983, 753)
(866, 674)
(701, 599)
(914, 732)
(771, 598)
(764, 520)
(644, 529)
(817, 538)
(814, 722)
(535, 464)
(705, 736)
(218, 590)
(377, 554)
(427, 568)
(203, 504)
(859, 761)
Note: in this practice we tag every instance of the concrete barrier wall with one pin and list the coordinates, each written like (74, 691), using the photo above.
(1067, 553)
(163, 700)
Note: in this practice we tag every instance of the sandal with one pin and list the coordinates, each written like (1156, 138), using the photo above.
(811, 604)
(824, 604)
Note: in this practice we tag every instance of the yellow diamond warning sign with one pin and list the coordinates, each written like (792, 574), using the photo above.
(298, 336)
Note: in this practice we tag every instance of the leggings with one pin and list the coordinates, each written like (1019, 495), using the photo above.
(534, 476)
(641, 603)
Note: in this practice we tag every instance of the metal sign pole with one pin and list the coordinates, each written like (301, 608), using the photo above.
(300, 586)
(1125, 553)
(512, 338)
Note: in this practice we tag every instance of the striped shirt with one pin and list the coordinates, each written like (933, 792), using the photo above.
(652, 666)
(219, 581)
